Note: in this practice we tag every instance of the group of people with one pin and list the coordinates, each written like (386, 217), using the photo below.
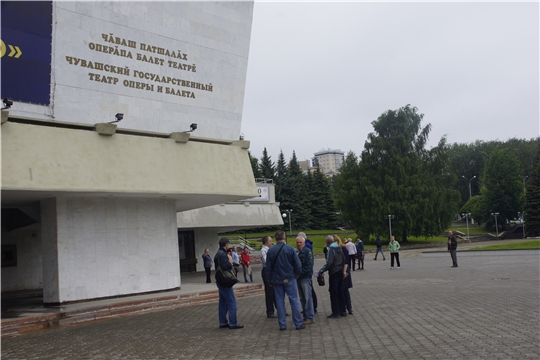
(289, 272)
(244, 260)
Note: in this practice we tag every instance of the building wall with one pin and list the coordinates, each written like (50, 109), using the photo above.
(28, 274)
(142, 58)
(101, 247)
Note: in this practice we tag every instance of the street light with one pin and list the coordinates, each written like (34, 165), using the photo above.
(466, 215)
(390, 217)
(470, 193)
(522, 215)
(496, 226)
(285, 215)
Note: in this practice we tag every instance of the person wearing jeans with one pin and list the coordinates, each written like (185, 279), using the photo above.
(379, 247)
(227, 299)
(283, 267)
(305, 286)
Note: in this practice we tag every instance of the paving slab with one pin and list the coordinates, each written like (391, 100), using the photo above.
(488, 308)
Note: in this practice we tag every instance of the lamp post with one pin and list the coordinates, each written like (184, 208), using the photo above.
(466, 215)
(470, 193)
(390, 217)
(496, 226)
(522, 215)
(285, 215)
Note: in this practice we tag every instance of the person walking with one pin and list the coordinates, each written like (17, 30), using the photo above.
(378, 242)
(283, 267)
(305, 286)
(207, 262)
(227, 299)
(351, 248)
(360, 254)
(336, 267)
(452, 248)
(268, 289)
(246, 264)
(393, 247)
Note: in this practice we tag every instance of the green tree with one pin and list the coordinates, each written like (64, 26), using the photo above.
(280, 181)
(532, 198)
(398, 176)
(502, 189)
(255, 166)
(267, 166)
(323, 208)
(297, 196)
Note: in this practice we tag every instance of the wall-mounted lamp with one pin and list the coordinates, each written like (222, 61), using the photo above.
(7, 103)
(192, 128)
(118, 118)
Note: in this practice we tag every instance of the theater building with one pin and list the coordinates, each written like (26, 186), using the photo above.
(124, 127)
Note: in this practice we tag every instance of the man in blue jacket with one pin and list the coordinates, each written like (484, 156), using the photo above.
(283, 268)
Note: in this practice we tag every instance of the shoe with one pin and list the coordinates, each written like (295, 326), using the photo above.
(282, 329)
(454, 266)
(362, 268)
(236, 326)
(343, 314)
(307, 322)
(350, 312)
(247, 281)
(353, 270)
(374, 259)
(223, 326)
(333, 316)
(398, 267)
(391, 268)
(287, 314)
(315, 311)
(271, 316)
(384, 259)
(301, 327)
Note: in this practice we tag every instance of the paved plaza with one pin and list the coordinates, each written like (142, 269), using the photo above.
(488, 308)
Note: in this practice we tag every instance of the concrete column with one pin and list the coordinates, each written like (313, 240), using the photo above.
(95, 247)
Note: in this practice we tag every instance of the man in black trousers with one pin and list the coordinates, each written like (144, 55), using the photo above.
(268, 289)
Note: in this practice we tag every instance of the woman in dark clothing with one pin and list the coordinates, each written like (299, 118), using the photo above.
(207, 261)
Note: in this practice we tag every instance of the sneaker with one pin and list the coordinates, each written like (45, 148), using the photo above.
(307, 322)
(398, 267)
(391, 268)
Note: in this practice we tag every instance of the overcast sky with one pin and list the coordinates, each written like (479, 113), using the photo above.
(320, 72)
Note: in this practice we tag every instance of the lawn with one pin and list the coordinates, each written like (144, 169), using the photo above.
(534, 244)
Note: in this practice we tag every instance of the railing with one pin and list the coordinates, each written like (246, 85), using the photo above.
(242, 243)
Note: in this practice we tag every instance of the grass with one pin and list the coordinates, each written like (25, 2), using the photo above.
(534, 244)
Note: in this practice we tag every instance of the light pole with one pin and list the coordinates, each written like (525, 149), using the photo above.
(496, 226)
(522, 215)
(470, 193)
(285, 215)
(390, 217)
(466, 215)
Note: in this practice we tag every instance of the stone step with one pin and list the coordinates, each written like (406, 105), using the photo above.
(123, 307)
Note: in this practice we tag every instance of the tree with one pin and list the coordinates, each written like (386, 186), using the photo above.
(532, 198)
(323, 208)
(297, 195)
(267, 166)
(280, 181)
(502, 189)
(255, 166)
(398, 176)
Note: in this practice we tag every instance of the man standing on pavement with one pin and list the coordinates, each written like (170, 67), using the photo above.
(304, 281)
(268, 289)
(452, 248)
(360, 252)
(227, 299)
(352, 252)
(337, 268)
(309, 245)
(378, 242)
(283, 267)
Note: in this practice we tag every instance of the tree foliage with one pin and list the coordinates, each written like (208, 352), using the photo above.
(502, 189)
(267, 166)
(398, 176)
(532, 198)
(254, 166)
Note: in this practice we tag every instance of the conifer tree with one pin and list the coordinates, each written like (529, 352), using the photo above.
(255, 166)
(267, 166)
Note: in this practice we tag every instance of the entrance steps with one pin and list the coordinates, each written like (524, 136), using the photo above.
(80, 313)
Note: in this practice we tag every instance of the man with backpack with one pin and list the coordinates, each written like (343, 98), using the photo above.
(337, 270)
(379, 248)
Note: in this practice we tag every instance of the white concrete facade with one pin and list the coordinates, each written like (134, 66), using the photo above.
(106, 204)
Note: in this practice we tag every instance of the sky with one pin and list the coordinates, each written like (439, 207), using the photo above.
(319, 73)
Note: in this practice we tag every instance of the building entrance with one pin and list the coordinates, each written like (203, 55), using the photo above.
(186, 247)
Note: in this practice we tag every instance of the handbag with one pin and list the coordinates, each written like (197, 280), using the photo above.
(320, 279)
(225, 278)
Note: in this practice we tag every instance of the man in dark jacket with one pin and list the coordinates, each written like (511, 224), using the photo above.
(378, 242)
(337, 270)
(360, 252)
(227, 299)
(283, 268)
(452, 248)
(304, 280)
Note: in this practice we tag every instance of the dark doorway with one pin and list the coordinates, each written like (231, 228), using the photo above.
(186, 248)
